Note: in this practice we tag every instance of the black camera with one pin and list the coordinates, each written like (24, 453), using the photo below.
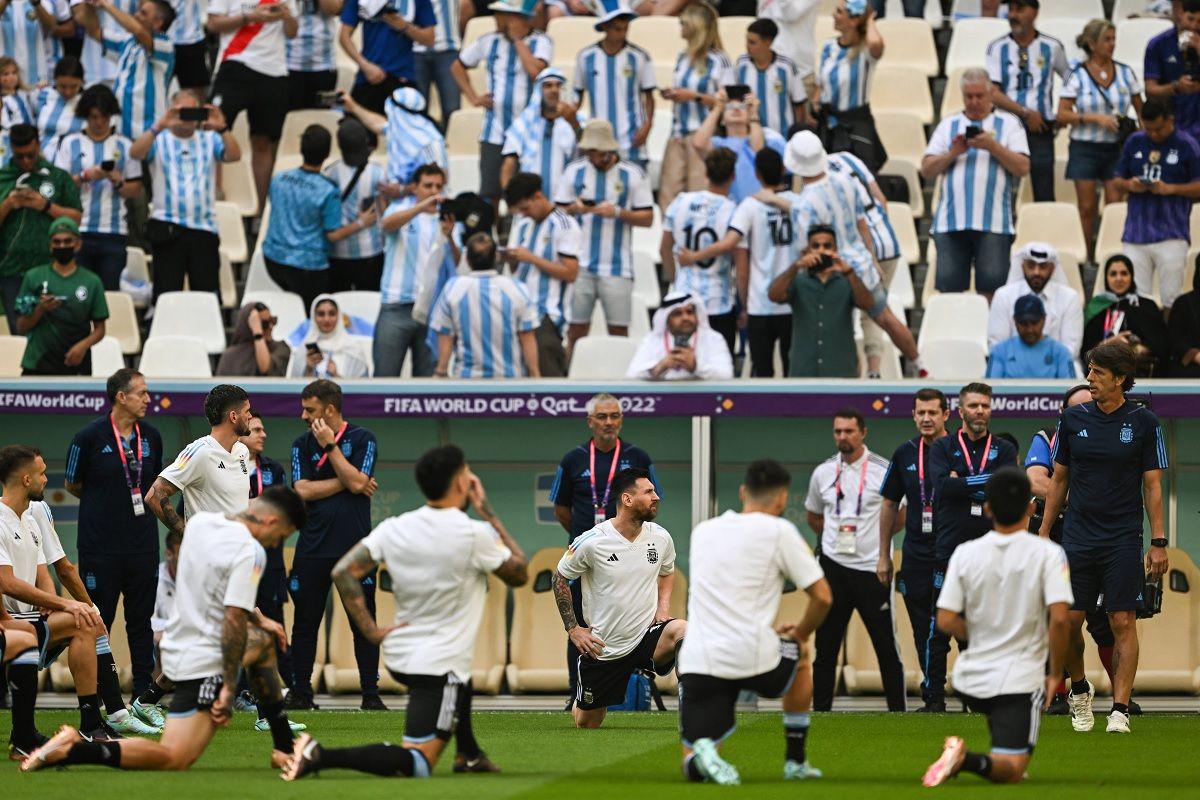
(468, 208)
(1152, 597)
(825, 263)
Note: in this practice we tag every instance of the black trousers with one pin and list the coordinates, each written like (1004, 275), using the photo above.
(936, 650)
(763, 332)
(915, 584)
(191, 252)
(303, 88)
(309, 586)
(1041, 165)
(856, 590)
(107, 579)
(272, 594)
(308, 283)
(726, 325)
(363, 274)
(374, 95)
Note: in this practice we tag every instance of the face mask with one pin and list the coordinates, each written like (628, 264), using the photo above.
(63, 255)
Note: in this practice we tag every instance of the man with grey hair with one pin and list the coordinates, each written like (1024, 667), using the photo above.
(980, 152)
(580, 492)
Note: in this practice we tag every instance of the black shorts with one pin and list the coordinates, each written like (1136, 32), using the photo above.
(600, 684)
(304, 86)
(1115, 571)
(707, 704)
(432, 705)
(47, 653)
(195, 695)
(1013, 720)
(490, 159)
(264, 98)
(191, 65)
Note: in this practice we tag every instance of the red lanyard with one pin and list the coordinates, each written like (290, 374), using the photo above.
(258, 472)
(987, 448)
(921, 470)
(612, 470)
(1111, 319)
(862, 482)
(134, 485)
(336, 439)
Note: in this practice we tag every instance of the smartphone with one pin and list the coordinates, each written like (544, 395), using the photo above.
(737, 92)
(312, 347)
(588, 203)
(682, 340)
(108, 165)
(330, 99)
(193, 114)
(972, 131)
(366, 204)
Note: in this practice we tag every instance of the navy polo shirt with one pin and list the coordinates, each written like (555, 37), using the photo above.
(389, 49)
(272, 475)
(1106, 455)
(573, 487)
(107, 525)
(335, 523)
(902, 481)
(953, 522)
(1164, 63)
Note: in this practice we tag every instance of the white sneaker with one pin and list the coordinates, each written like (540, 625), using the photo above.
(712, 766)
(1118, 722)
(1082, 718)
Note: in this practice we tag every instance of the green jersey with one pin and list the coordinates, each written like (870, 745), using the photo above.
(25, 232)
(82, 296)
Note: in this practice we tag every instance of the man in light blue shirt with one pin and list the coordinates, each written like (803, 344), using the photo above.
(1030, 354)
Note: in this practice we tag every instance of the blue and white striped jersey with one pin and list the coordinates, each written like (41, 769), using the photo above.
(405, 251)
(446, 35)
(843, 74)
(188, 27)
(773, 244)
(412, 141)
(696, 220)
(606, 247)
(55, 118)
(1092, 98)
(311, 49)
(23, 39)
(507, 80)
(142, 79)
(883, 236)
(184, 172)
(365, 243)
(103, 209)
(557, 235)
(543, 147)
(778, 88)
(838, 201)
(976, 192)
(708, 78)
(1026, 74)
(484, 312)
(614, 87)
(15, 109)
(97, 68)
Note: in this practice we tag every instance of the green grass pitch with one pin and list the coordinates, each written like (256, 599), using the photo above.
(637, 755)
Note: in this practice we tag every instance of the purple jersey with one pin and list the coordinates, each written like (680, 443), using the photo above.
(1164, 63)
(1153, 217)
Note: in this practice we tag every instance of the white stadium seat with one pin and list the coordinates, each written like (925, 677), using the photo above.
(954, 315)
(196, 314)
(969, 41)
(359, 304)
(909, 44)
(232, 232)
(462, 134)
(1071, 9)
(915, 98)
(602, 357)
(733, 35)
(12, 350)
(122, 323)
(1112, 227)
(1055, 223)
(902, 133)
(106, 357)
(175, 357)
(954, 359)
(1132, 37)
(287, 307)
(1066, 30)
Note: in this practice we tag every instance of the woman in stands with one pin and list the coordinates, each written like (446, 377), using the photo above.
(841, 98)
(253, 353)
(14, 103)
(1120, 312)
(55, 105)
(328, 349)
(1094, 101)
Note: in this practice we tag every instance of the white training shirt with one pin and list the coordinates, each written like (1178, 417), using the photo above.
(261, 47)
(695, 221)
(164, 599)
(439, 560)
(620, 581)
(773, 242)
(21, 547)
(220, 564)
(976, 193)
(739, 563)
(211, 478)
(862, 553)
(1003, 584)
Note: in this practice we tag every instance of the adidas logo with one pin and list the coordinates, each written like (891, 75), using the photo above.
(613, 557)
(1082, 434)
(107, 449)
(220, 465)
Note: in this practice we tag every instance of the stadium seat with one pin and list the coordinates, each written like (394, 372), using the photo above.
(1108, 237)
(969, 40)
(823, 31)
(1124, 9)
(1065, 29)
(476, 28)
(106, 357)
(600, 357)
(658, 36)
(903, 134)
(137, 266)
(1170, 648)
(226, 283)
(237, 183)
(954, 359)
(1054, 223)
(1078, 9)
(491, 642)
(570, 35)
(289, 615)
(257, 277)
(956, 316)
(232, 232)
(1132, 37)
(915, 99)
(12, 350)
(363, 304)
(195, 314)
(952, 101)
(464, 174)
(649, 239)
(904, 222)
(175, 357)
(733, 35)
(462, 134)
(60, 674)
(656, 143)
(909, 44)
(4, 325)
(645, 277)
(286, 306)
(122, 323)
(346, 75)
(901, 294)
(537, 644)
(1064, 188)
(910, 172)
(296, 121)
(341, 669)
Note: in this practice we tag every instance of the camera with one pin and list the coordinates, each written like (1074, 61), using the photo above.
(825, 263)
(1152, 598)
(737, 92)
(468, 208)
(193, 114)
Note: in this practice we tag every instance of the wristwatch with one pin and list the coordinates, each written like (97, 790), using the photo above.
(328, 448)
(1158, 542)
(257, 336)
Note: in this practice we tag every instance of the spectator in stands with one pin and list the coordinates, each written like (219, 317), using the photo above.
(1093, 101)
(182, 229)
(1160, 166)
(823, 291)
(796, 21)
(1172, 60)
(772, 78)
(413, 232)
(306, 217)
(252, 351)
(96, 65)
(1022, 67)
(842, 96)
(1120, 312)
(85, 155)
(54, 105)
(1031, 353)
(514, 54)
(31, 32)
(61, 309)
(973, 224)
(1062, 305)
(252, 75)
(543, 250)
(700, 72)
(486, 320)
(609, 196)
(15, 107)
(618, 78)
(356, 262)
(33, 193)
(681, 346)
(543, 139)
(431, 64)
(735, 125)
(311, 68)
(328, 349)
(385, 62)
(412, 138)
(1183, 333)
(912, 8)
(191, 47)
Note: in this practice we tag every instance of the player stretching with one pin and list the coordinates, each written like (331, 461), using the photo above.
(739, 565)
(627, 564)
(214, 631)
(996, 594)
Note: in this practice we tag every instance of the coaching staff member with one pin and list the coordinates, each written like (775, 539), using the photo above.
(111, 465)
(1110, 455)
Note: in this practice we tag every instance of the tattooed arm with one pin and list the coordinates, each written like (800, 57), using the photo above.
(347, 576)
(157, 501)
(584, 640)
(233, 648)
(514, 571)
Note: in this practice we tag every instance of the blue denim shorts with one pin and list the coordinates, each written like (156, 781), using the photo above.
(1092, 161)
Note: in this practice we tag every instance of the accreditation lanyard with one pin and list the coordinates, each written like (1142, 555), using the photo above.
(862, 482)
(133, 476)
(1113, 320)
(598, 504)
(926, 501)
(987, 448)
(341, 432)
(258, 473)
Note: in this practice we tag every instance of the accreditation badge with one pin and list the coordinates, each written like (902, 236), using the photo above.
(846, 543)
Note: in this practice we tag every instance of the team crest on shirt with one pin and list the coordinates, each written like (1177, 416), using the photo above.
(993, 453)
(618, 187)
(1173, 157)
(31, 15)
(651, 554)
(1126, 434)
(46, 190)
(627, 71)
(347, 448)
(1155, 155)
(81, 294)
(777, 87)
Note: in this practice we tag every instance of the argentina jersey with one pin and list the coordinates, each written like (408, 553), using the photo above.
(778, 88)
(614, 86)
(706, 78)
(55, 118)
(188, 27)
(412, 138)
(1092, 98)
(883, 236)
(773, 243)
(1026, 74)
(606, 248)
(541, 146)
(103, 210)
(142, 78)
(554, 237)
(311, 49)
(485, 313)
(843, 74)
(23, 39)
(697, 220)
(184, 173)
(405, 252)
(369, 241)
(97, 68)
(445, 32)
(507, 80)
(838, 201)
(976, 193)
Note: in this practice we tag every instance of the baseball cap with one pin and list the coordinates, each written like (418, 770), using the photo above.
(1029, 309)
(64, 225)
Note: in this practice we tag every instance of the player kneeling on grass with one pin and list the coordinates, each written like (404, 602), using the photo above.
(739, 564)
(214, 631)
(997, 592)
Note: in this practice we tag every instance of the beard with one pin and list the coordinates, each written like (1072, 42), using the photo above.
(845, 447)
(648, 514)
(977, 425)
(242, 428)
(38, 495)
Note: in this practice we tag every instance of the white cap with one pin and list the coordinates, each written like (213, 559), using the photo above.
(805, 155)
